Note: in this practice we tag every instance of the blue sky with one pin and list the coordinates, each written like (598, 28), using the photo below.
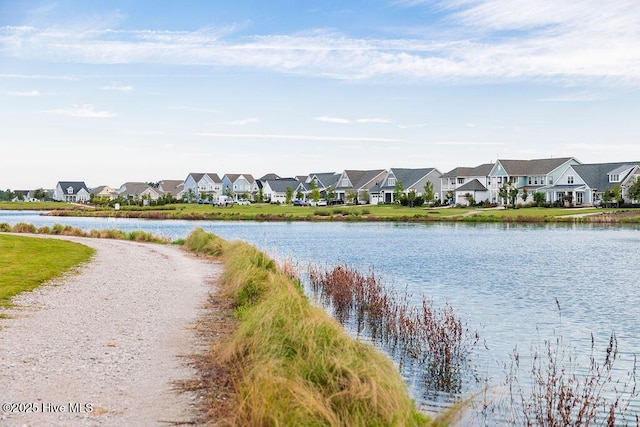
(108, 92)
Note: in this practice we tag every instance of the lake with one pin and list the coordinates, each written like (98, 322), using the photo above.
(516, 284)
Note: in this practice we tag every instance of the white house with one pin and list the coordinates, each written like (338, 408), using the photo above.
(71, 191)
(202, 186)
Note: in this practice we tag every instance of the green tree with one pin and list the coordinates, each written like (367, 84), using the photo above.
(398, 191)
(503, 192)
(351, 196)
(299, 194)
(330, 194)
(539, 198)
(411, 197)
(513, 194)
(315, 192)
(429, 194)
(634, 190)
(260, 195)
(191, 195)
(470, 199)
(524, 195)
(40, 194)
(289, 194)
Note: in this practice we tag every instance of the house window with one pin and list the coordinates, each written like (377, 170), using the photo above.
(550, 180)
(614, 178)
(345, 182)
(530, 181)
(580, 198)
(70, 190)
(570, 179)
(535, 180)
(452, 181)
(499, 180)
(392, 181)
(542, 180)
(460, 180)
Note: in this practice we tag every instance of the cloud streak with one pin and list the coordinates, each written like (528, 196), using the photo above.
(82, 111)
(485, 40)
(297, 137)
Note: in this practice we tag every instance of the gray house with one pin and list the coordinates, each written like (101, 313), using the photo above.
(275, 190)
(358, 183)
(410, 180)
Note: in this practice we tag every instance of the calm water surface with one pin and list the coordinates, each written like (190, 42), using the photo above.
(503, 280)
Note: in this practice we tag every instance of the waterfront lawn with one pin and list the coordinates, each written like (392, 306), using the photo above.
(28, 262)
(36, 206)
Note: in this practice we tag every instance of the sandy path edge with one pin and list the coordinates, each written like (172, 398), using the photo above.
(104, 345)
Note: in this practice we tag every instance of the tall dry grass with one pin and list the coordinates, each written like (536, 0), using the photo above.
(295, 364)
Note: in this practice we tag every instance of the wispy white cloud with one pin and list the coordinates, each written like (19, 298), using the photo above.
(419, 125)
(243, 122)
(483, 39)
(297, 137)
(196, 109)
(82, 111)
(373, 120)
(327, 119)
(30, 93)
(470, 143)
(119, 87)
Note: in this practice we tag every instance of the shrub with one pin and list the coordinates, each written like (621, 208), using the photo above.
(22, 227)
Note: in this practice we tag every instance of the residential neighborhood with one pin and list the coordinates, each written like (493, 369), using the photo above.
(561, 181)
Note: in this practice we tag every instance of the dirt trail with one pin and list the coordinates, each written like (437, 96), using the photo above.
(105, 345)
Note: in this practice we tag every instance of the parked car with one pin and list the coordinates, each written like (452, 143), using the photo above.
(223, 201)
(244, 202)
(322, 202)
(299, 203)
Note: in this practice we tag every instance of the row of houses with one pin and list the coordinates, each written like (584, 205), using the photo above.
(556, 178)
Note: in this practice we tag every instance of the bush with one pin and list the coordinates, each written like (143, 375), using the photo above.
(22, 227)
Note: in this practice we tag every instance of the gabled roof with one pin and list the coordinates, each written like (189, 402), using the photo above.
(596, 175)
(361, 179)
(473, 185)
(532, 167)
(482, 170)
(624, 168)
(101, 188)
(76, 185)
(280, 185)
(172, 186)
(198, 176)
(233, 177)
(135, 188)
(269, 177)
(408, 177)
(325, 179)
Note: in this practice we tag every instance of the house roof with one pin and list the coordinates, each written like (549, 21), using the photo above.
(361, 179)
(198, 176)
(481, 170)
(408, 177)
(135, 188)
(172, 186)
(269, 177)
(280, 185)
(473, 185)
(532, 167)
(596, 175)
(99, 189)
(325, 179)
(76, 185)
(233, 177)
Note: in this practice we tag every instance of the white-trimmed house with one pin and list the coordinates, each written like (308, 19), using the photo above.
(461, 176)
(358, 182)
(585, 184)
(471, 189)
(201, 186)
(411, 180)
(275, 190)
(71, 191)
(530, 175)
(137, 191)
(239, 186)
(325, 182)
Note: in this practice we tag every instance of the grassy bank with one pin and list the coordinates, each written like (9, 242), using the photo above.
(67, 230)
(26, 263)
(394, 213)
(294, 364)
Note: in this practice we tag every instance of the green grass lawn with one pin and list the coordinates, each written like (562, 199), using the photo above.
(35, 206)
(28, 262)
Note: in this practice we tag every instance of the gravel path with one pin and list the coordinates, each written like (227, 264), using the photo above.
(104, 346)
